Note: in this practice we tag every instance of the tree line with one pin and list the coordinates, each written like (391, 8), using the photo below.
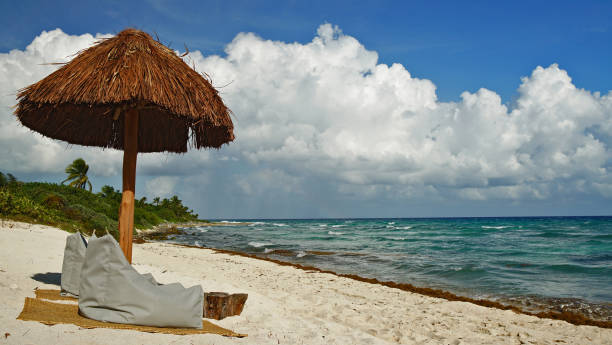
(74, 207)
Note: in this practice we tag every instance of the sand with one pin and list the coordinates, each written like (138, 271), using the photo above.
(285, 306)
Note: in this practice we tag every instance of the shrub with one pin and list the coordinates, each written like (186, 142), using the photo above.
(22, 208)
(54, 201)
(92, 221)
(144, 219)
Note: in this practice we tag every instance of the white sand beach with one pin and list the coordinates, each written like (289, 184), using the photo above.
(286, 305)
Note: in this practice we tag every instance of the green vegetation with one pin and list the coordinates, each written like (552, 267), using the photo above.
(77, 174)
(73, 209)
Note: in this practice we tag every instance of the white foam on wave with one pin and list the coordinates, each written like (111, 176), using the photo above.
(391, 223)
(260, 244)
(301, 254)
(495, 227)
(197, 243)
(335, 233)
(323, 225)
(268, 250)
(202, 229)
(338, 226)
(406, 227)
(257, 223)
(279, 224)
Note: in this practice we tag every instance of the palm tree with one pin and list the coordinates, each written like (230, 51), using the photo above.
(11, 179)
(77, 172)
(142, 202)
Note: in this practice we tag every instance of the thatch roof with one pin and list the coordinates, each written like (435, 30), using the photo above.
(84, 101)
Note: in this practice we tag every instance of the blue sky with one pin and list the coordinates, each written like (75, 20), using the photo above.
(458, 45)
(509, 146)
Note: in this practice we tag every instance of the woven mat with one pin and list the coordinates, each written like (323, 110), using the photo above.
(53, 295)
(51, 313)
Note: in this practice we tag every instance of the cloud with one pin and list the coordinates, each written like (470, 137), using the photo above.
(327, 108)
(326, 113)
(161, 186)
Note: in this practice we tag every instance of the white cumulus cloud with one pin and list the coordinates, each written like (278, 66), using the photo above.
(328, 108)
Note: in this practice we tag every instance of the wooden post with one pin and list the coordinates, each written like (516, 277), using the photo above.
(126, 209)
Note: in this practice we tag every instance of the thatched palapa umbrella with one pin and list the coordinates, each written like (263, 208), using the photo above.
(132, 93)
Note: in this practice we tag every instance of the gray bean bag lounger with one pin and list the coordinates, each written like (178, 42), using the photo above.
(74, 255)
(111, 290)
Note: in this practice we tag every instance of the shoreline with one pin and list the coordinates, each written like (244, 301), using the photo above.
(568, 316)
(164, 232)
(165, 227)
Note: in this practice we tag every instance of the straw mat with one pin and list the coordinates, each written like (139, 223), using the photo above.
(53, 295)
(51, 313)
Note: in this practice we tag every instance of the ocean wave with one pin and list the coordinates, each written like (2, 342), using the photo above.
(391, 223)
(323, 225)
(301, 254)
(601, 270)
(394, 238)
(260, 244)
(495, 227)
(405, 227)
(335, 233)
(338, 226)
(466, 271)
(281, 252)
(279, 224)
(202, 229)
(230, 222)
(257, 223)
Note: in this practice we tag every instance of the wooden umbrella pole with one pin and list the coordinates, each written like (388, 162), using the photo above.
(126, 210)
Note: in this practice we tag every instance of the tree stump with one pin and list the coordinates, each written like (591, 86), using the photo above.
(219, 305)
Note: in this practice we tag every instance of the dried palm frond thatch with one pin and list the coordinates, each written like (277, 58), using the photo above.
(84, 101)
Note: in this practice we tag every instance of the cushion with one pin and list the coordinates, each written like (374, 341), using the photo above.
(74, 255)
(111, 290)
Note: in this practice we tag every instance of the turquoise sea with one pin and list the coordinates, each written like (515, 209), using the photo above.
(548, 263)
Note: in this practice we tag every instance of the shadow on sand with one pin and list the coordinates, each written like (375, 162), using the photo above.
(48, 278)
